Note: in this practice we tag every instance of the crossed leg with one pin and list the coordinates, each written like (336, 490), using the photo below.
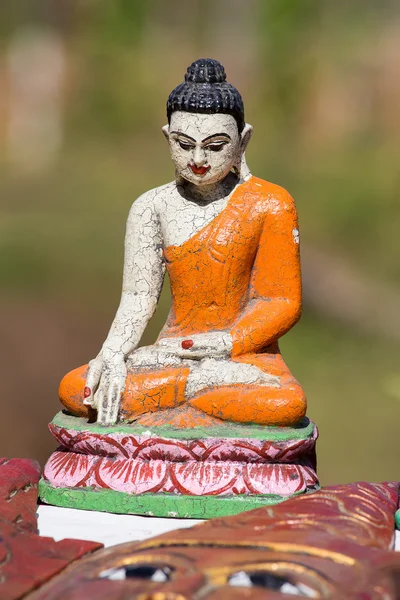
(239, 390)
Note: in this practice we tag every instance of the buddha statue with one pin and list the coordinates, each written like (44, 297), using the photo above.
(208, 420)
(230, 244)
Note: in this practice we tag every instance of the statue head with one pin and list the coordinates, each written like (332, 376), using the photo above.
(206, 130)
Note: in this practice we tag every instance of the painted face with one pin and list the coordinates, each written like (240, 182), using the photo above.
(204, 148)
(334, 544)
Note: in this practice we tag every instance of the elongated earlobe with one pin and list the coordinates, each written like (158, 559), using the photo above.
(165, 131)
(241, 168)
(246, 135)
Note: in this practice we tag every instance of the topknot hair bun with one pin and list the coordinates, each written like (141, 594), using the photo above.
(205, 70)
(205, 90)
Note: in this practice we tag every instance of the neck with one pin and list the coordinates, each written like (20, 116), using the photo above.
(205, 194)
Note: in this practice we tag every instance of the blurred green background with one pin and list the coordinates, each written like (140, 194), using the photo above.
(83, 91)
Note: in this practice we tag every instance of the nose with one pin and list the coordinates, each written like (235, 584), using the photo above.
(199, 156)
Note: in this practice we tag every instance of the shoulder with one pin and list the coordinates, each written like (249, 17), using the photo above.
(272, 198)
(149, 202)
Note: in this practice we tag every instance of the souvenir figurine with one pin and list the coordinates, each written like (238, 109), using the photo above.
(208, 420)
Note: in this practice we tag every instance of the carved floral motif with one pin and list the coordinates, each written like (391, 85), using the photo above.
(197, 478)
(150, 447)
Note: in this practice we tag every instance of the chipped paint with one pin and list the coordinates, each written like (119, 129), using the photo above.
(226, 240)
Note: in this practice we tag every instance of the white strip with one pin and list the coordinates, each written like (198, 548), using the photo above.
(105, 528)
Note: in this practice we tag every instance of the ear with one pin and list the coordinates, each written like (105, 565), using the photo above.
(246, 135)
(165, 131)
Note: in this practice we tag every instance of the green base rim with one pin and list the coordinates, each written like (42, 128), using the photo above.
(397, 519)
(153, 505)
(304, 430)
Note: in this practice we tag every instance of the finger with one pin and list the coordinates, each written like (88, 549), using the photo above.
(100, 399)
(92, 382)
(172, 343)
(166, 342)
(109, 405)
(120, 388)
(112, 404)
(115, 402)
(88, 399)
(190, 354)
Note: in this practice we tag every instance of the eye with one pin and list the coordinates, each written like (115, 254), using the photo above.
(184, 145)
(266, 580)
(148, 572)
(216, 147)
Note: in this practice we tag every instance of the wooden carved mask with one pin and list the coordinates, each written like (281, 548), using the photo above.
(334, 543)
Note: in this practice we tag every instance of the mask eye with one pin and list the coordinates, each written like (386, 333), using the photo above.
(147, 572)
(269, 581)
(185, 145)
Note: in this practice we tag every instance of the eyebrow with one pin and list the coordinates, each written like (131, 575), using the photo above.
(225, 135)
(210, 137)
(184, 135)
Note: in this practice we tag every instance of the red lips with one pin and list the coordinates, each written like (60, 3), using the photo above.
(199, 170)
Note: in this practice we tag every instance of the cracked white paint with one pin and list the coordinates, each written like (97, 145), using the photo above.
(296, 236)
(166, 216)
(204, 372)
(213, 372)
(214, 343)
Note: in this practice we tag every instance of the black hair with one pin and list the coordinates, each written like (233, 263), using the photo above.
(205, 90)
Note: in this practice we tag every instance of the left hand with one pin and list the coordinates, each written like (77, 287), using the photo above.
(205, 345)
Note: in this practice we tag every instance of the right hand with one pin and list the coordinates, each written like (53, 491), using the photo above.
(212, 344)
(105, 383)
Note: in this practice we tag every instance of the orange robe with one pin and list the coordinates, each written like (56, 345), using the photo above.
(240, 273)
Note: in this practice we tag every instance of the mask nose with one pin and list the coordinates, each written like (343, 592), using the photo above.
(199, 156)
